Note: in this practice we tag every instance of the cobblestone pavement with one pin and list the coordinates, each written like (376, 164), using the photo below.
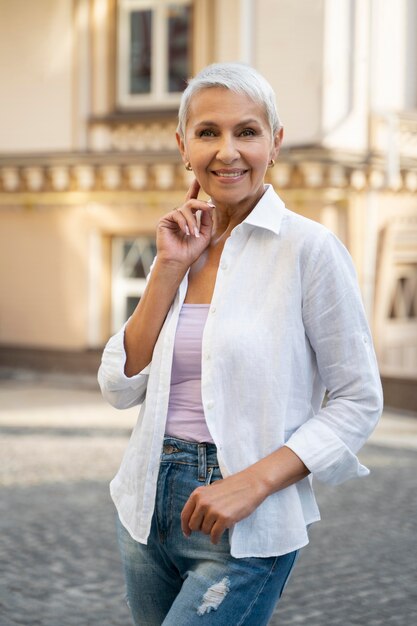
(59, 565)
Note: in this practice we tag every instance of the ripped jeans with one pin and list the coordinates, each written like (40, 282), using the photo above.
(177, 581)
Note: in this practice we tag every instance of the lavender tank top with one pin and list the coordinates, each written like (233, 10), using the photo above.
(186, 418)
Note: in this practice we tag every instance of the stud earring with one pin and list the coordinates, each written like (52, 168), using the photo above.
(188, 167)
(271, 163)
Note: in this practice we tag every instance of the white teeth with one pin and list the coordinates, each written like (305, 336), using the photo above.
(229, 174)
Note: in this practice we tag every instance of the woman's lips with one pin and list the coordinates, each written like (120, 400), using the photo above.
(229, 174)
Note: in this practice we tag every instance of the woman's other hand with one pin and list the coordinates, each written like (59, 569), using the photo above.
(179, 238)
(214, 508)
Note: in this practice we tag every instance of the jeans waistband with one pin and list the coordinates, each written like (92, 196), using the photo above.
(201, 455)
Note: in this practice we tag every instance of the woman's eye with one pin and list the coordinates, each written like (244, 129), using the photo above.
(207, 132)
(247, 132)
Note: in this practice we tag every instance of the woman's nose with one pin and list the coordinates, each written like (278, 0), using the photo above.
(227, 150)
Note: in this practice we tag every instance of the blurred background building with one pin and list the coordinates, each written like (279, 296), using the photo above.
(89, 91)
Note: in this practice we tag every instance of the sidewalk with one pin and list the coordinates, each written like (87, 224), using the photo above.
(67, 417)
(396, 430)
(60, 444)
(30, 400)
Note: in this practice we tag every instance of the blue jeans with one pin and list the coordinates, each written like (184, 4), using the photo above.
(177, 581)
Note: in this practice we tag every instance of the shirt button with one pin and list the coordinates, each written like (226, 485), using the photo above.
(208, 357)
(210, 404)
(213, 309)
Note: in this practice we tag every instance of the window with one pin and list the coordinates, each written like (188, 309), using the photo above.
(403, 301)
(131, 262)
(154, 52)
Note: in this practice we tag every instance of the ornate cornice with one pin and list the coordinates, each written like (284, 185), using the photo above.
(313, 167)
(307, 167)
(92, 172)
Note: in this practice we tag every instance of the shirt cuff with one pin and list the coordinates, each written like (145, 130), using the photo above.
(111, 372)
(325, 454)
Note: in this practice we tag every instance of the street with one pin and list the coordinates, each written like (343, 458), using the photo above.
(60, 444)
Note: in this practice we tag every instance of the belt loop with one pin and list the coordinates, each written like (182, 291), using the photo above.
(202, 461)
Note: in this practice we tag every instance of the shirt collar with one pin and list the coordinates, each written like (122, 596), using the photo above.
(268, 212)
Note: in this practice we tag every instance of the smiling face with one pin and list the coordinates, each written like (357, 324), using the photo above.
(229, 145)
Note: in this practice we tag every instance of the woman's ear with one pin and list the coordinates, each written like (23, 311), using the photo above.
(277, 142)
(181, 147)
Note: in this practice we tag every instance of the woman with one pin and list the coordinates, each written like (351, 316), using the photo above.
(250, 313)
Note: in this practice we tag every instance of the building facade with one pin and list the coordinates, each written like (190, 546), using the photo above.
(88, 157)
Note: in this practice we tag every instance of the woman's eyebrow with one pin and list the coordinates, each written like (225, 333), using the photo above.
(247, 122)
(206, 123)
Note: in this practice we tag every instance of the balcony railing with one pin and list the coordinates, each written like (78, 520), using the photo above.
(393, 136)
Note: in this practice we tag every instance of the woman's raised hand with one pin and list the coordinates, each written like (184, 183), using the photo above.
(179, 238)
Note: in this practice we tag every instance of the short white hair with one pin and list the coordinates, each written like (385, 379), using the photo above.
(239, 78)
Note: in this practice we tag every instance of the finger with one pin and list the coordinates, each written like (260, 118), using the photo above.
(207, 524)
(206, 218)
(217, 531)
(193, 190)
(190, 210)
(181, 220)
(196, 520)
(190, 225)
(186, 515)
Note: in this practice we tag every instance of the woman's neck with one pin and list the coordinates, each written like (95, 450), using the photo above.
(228, 216)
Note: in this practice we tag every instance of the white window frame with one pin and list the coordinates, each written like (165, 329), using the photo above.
(158, 97)
(123, 287)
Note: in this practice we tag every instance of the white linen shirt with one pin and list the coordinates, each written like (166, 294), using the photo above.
(285, 323)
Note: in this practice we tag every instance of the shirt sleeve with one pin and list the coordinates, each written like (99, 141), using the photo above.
(119, 390)
(336, 326)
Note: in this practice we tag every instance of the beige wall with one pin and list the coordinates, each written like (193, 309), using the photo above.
(45, 273)
(47, 270)
(393, 65)
(43, 286)
(227, 16)
(291, 59)
(332, 71)
(35, 75)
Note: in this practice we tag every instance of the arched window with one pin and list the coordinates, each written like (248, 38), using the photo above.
(403, 300)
